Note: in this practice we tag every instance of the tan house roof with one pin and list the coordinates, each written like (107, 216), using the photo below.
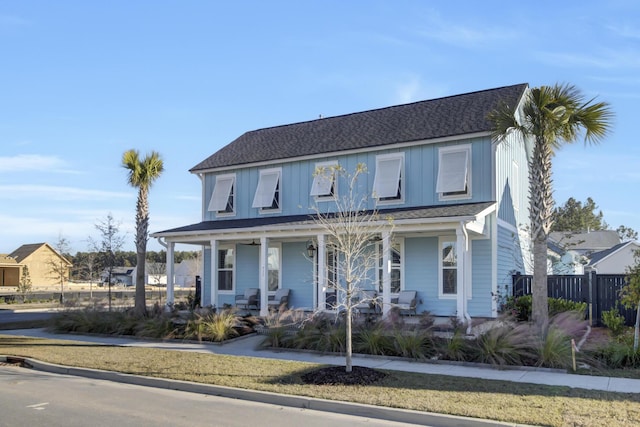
(7, 260)
(25, 251)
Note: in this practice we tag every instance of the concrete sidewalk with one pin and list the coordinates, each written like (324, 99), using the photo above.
(250, 346)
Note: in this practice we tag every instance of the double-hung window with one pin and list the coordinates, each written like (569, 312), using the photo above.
(324, 181)
(387, 184)
(273, 263)
(454, 172)
(225, 265)
(222, 199)
(448, 267)
(268, 192)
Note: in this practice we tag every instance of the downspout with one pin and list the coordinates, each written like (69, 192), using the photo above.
(466, 315)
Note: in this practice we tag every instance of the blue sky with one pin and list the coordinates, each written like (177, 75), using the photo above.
(83, 81)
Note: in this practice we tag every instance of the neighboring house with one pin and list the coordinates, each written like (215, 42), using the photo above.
(587, 242)
(614, 260)
(39, 258)
(10, 271)
(564, 261)
(457, 198)
(155, 274)
(119, 276)
(185, 273)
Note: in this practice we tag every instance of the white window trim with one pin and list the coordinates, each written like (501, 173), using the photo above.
(441, 240)
(448, 150)
(262, 191)
(400, 180)
(400, 242)
(277, 246)
(229, 192)
(233, 270)
(318, 181)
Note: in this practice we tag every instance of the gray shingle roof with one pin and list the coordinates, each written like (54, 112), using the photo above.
(437, 118)
(429, 212)
(596, 240)
(599, 256)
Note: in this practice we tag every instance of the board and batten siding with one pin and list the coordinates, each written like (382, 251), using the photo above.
(481, 279)
(420, 173)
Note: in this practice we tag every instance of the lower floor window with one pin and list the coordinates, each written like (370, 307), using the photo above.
(225, 269)
(449, 263)
(396, 267)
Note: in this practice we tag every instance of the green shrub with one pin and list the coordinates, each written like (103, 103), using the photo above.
(520, 307)
(372, 340)
(614, 321)
(415, 344)
(453, 348)
(504, 345)
(559, 305)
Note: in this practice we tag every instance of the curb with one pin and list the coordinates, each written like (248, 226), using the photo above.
(310, 403)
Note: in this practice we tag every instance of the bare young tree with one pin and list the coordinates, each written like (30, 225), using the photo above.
(157, 271)
(25, 285)
(351, 232)
(90, 268)
(110, 242)
(60, 266)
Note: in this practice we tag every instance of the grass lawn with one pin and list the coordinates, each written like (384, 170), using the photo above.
(497, 400)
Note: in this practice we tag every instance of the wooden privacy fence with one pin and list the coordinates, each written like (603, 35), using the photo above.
(600, 291)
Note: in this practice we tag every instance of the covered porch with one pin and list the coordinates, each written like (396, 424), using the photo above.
(428, 250)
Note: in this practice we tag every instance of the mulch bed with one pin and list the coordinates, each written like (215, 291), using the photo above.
(336, 375)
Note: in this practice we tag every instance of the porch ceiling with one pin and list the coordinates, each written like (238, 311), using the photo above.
(404, 219)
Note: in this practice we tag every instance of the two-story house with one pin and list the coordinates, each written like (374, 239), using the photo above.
(458, 200)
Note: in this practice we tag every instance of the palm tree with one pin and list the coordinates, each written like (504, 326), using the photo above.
(550, 117)
(142, 173)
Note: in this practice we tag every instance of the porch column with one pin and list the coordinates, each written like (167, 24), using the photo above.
(213, 291)
(386, 272)
(321, 276)
(461, 270)
(264, 275)
(170, 273)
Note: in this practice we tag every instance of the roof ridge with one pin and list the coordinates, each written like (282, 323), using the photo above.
(388, 107)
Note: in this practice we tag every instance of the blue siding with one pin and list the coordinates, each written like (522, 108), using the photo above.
(481, 281)
(421, 274)
(420, 170)
(509, 258)
(206, 279)
(297, 275)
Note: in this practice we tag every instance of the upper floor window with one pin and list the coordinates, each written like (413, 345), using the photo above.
(454, 172)
(268, 193)
(324, 181)
(223, 195)
(387, 184)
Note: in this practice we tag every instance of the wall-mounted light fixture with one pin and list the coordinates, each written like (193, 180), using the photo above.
(311, 250)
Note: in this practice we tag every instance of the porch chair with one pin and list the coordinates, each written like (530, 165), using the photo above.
(369, 304)
(250, 298)
(280, 300)
(407, 301)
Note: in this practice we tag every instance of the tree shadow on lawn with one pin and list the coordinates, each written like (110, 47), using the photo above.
(361, 376)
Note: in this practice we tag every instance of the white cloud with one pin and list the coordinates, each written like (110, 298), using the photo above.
(454, 33)
(33, 162)
(49, 192)
(605, 59)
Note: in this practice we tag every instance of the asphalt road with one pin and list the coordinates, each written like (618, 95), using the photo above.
(9, 316)
(36, 398)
